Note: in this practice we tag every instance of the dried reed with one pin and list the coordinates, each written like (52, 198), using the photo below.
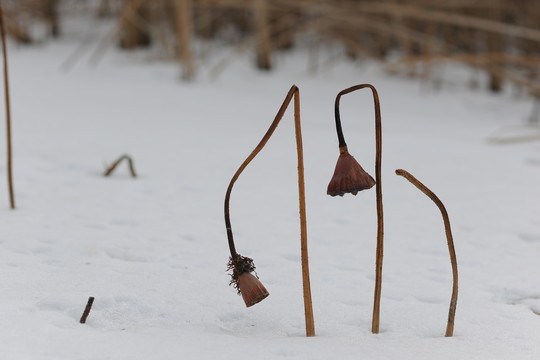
(8, 111)
(391, 31)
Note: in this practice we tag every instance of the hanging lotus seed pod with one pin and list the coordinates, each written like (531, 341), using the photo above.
(252, 290)
(349, 177)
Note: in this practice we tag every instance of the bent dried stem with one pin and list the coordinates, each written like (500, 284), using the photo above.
(308, 308)
(115, 164)
(378, 188)
(8, 111)
(450, 241)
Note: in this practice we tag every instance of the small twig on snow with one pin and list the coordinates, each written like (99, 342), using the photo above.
(87, 309)
(115, 164)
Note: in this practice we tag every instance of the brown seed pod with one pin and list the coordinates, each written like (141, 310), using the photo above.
(253, 291)
(349, 177)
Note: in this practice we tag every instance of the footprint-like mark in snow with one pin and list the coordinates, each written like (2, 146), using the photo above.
(124, 255)
(530, 237)
(234, 321)
(189, 237)
(291, 257)
(532, 301)
(430, 300)
(533, 161)
(123, 222)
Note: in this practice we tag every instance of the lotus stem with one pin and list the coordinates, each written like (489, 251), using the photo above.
(450, 241)
(8, 111)
(115, 164)
(378, 188)
(308, 308)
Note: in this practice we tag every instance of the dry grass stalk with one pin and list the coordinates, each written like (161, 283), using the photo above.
(183, 10)
(111, 168)
(262, 34)
(14, 29)
(135, 27)
(449, 18)
(8, 112)
(127, 14)
(384, 30)
(50, 12)
(450, 242)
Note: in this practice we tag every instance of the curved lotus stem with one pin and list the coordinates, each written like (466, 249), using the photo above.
(450, 241)
(240, 264)
(8, 111)
(380, 222)
(115, 164)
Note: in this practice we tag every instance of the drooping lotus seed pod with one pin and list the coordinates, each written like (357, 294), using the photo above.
(252, 290)
(349, 176)
(244, 282)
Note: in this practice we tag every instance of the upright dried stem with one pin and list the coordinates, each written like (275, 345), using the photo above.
(450, 241)
(87, 310)
(308, 308)
(115, 164)
(378, 188)
(183, 9)
(262, 33)
(8, 111)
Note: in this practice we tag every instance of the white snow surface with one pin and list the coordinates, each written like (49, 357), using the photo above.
(153, 250)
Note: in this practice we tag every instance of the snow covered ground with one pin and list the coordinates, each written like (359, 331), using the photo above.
(153, 250)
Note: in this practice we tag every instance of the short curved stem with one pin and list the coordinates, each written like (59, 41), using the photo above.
(115, 164)
(378, 180)
(8, 111)
(450, 241)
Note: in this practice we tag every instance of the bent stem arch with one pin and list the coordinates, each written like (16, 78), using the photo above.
(115, 164)
(8, 111)
(450, 241)
(378, 188)
(236, 260)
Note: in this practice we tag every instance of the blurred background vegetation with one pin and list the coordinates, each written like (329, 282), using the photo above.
(500, 38)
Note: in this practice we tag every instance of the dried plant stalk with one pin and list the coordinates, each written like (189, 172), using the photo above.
(8, 112)
(183, 10)
(115, 164)
(135, 29)
(128, 13)
(455, 19)
(14, 29)
(369, 28)
(450, 241)
(262, 34)
(87, 310)
(378, 188)
(308, 307)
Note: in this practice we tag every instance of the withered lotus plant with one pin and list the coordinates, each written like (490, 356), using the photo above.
(8, 111)
(246, 284)
(349, 177)
(450, 242)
